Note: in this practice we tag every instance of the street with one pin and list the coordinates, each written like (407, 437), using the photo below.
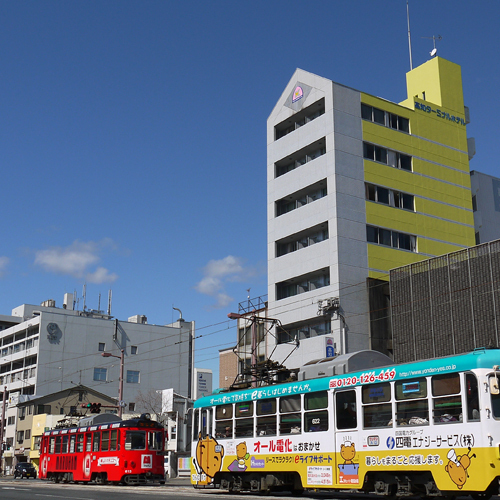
(11, 489)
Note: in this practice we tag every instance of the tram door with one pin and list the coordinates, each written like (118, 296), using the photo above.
(208, 452)
(346, 438)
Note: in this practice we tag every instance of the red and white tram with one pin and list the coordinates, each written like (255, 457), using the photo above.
(128, 451)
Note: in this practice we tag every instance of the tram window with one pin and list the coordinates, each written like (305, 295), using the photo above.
(58, 444)
(290, 423)
(266, 406)
(223, 412)
(196, 422)
(376, 393)
(96, 440)
(88, 442)
(448, 409)
(316, 400)
(266, 426)
(412, 412)
(315, 421)
(443, 385)
(52, 445)
(135, 440)
(113, 441)
(377, 415)
(411, 389)
(495, 396)
(243, 409)
(154, 441)
(79, 443)
(224, 429)
(243, 427)
(206, 422)
(345, 409)
(290, 404)
(105, 441)
(72, 444)
(65, 440)
(472, 398)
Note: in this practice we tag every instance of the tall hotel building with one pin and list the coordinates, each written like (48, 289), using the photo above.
(358, 185)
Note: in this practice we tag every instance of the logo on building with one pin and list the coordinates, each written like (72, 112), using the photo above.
(298, 93)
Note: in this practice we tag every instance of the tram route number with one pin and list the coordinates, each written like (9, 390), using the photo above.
(364, 378)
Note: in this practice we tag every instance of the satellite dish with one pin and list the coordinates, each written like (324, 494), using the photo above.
(433, 52)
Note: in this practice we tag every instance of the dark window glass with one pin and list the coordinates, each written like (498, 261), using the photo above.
(405, 161)
(385, 237)
(345, 410)
(404, 124)
(366, 112)
(383, 195)
(378, 116)
(372, 234)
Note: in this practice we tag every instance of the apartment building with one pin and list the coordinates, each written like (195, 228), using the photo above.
(45, 349)
(358, 185)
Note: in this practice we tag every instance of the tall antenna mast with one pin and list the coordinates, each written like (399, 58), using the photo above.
(110, 294)
(84, 297)
(409, 34)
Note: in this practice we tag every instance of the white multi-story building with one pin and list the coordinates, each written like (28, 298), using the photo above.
(45, 349)
(358, 185)
(486, 205)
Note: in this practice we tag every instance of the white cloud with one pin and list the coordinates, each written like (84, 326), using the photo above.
(216, 274)
(4, 261)
(76, 260)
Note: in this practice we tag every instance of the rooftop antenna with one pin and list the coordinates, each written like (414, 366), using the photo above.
(409, 35)
(110, 294)
(180, 313)
(433, 52)
(84, 297)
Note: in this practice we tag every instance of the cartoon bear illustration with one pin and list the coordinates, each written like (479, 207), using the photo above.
(209, 455)
(457, 467)
(347, 452)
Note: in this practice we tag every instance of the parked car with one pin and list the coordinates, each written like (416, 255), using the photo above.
(24, 469)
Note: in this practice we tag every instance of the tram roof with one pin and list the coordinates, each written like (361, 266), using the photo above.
(480, 358)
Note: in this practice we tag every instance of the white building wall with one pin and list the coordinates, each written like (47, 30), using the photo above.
(345, 252)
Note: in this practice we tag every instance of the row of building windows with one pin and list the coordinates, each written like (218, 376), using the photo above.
(387, 156)
(303, 331)
(302, 284)
(395, 239)
(389, 197)
(301, 157)
(385, 118)
(20, 375)
(299, 199)
(300, 119)
(10, 339)
(306, 239)
(20, 346)
(101, 375)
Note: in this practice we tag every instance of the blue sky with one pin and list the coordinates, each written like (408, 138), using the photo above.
(133, 137)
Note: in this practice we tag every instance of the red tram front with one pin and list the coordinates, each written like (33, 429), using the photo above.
(128, 451)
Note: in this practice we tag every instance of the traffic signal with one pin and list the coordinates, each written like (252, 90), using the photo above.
(95, 408)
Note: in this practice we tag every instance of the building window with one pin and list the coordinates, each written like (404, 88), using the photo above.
(100, 374)
(131, 407)
(302, 284)
(301, 198)
(102, 346)
(387, 156)
(301, 157)
(389, 197)
(11, 420)
(20, 436)
(474, 203)
(478, 239)
(301, 240)
(386, 237)
(292, 333)
(385, 118)
(299, 119)
(133, 349)
(132, 377)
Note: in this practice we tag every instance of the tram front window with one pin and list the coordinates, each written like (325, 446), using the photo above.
(154, 441)
(135, 440)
